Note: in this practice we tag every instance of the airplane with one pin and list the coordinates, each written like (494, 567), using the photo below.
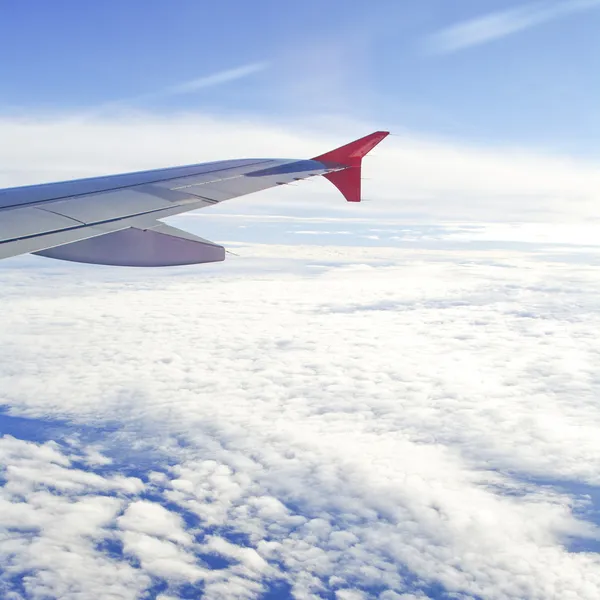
(116, 219)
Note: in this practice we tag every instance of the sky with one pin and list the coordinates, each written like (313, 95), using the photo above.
(490, 72)
(396, 399)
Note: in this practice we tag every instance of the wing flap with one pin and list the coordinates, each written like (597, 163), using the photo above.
(79, 231)
(24, 222)
(108, 206)
(159, 246)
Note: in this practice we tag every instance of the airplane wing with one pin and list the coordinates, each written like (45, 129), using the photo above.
(115, 220)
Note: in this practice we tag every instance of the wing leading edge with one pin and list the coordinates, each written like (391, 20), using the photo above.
(114, 220)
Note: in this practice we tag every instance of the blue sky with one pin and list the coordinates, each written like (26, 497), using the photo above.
(534, 86)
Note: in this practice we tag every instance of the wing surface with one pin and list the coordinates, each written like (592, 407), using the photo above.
(35, 219)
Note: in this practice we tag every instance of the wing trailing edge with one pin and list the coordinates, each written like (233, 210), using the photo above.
(348, 179)
(158, 246)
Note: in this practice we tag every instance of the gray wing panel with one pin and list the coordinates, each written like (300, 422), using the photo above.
(48, 240)
(35, 218)
(25, 222)
(31, 194)
(179, 184)
(268, 175)
(80, 231)
(107, 206)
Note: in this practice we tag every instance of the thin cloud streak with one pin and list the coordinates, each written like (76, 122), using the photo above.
(500, 24)
(216, 79)
(187, 87)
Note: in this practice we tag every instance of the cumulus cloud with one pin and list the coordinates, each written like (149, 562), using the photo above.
(53, 517)
(151, 518)
(403, 423)
(500, 24)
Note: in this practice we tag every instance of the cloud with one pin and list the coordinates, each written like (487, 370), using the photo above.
(187, 87)
(424, 178)
(402, 423)
(500, 24)
(53, 517)
(217, 78)
(151, 518)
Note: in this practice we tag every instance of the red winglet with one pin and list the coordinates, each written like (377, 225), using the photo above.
(350, 156)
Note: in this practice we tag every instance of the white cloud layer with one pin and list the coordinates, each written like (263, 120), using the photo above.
(407, 175)
(364, 422)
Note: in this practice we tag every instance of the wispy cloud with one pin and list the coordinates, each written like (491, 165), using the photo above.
(216, 79)
(496, 25)
(187, 87)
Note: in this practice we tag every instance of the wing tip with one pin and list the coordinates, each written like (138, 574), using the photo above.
(348, 159)
(350, 155)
